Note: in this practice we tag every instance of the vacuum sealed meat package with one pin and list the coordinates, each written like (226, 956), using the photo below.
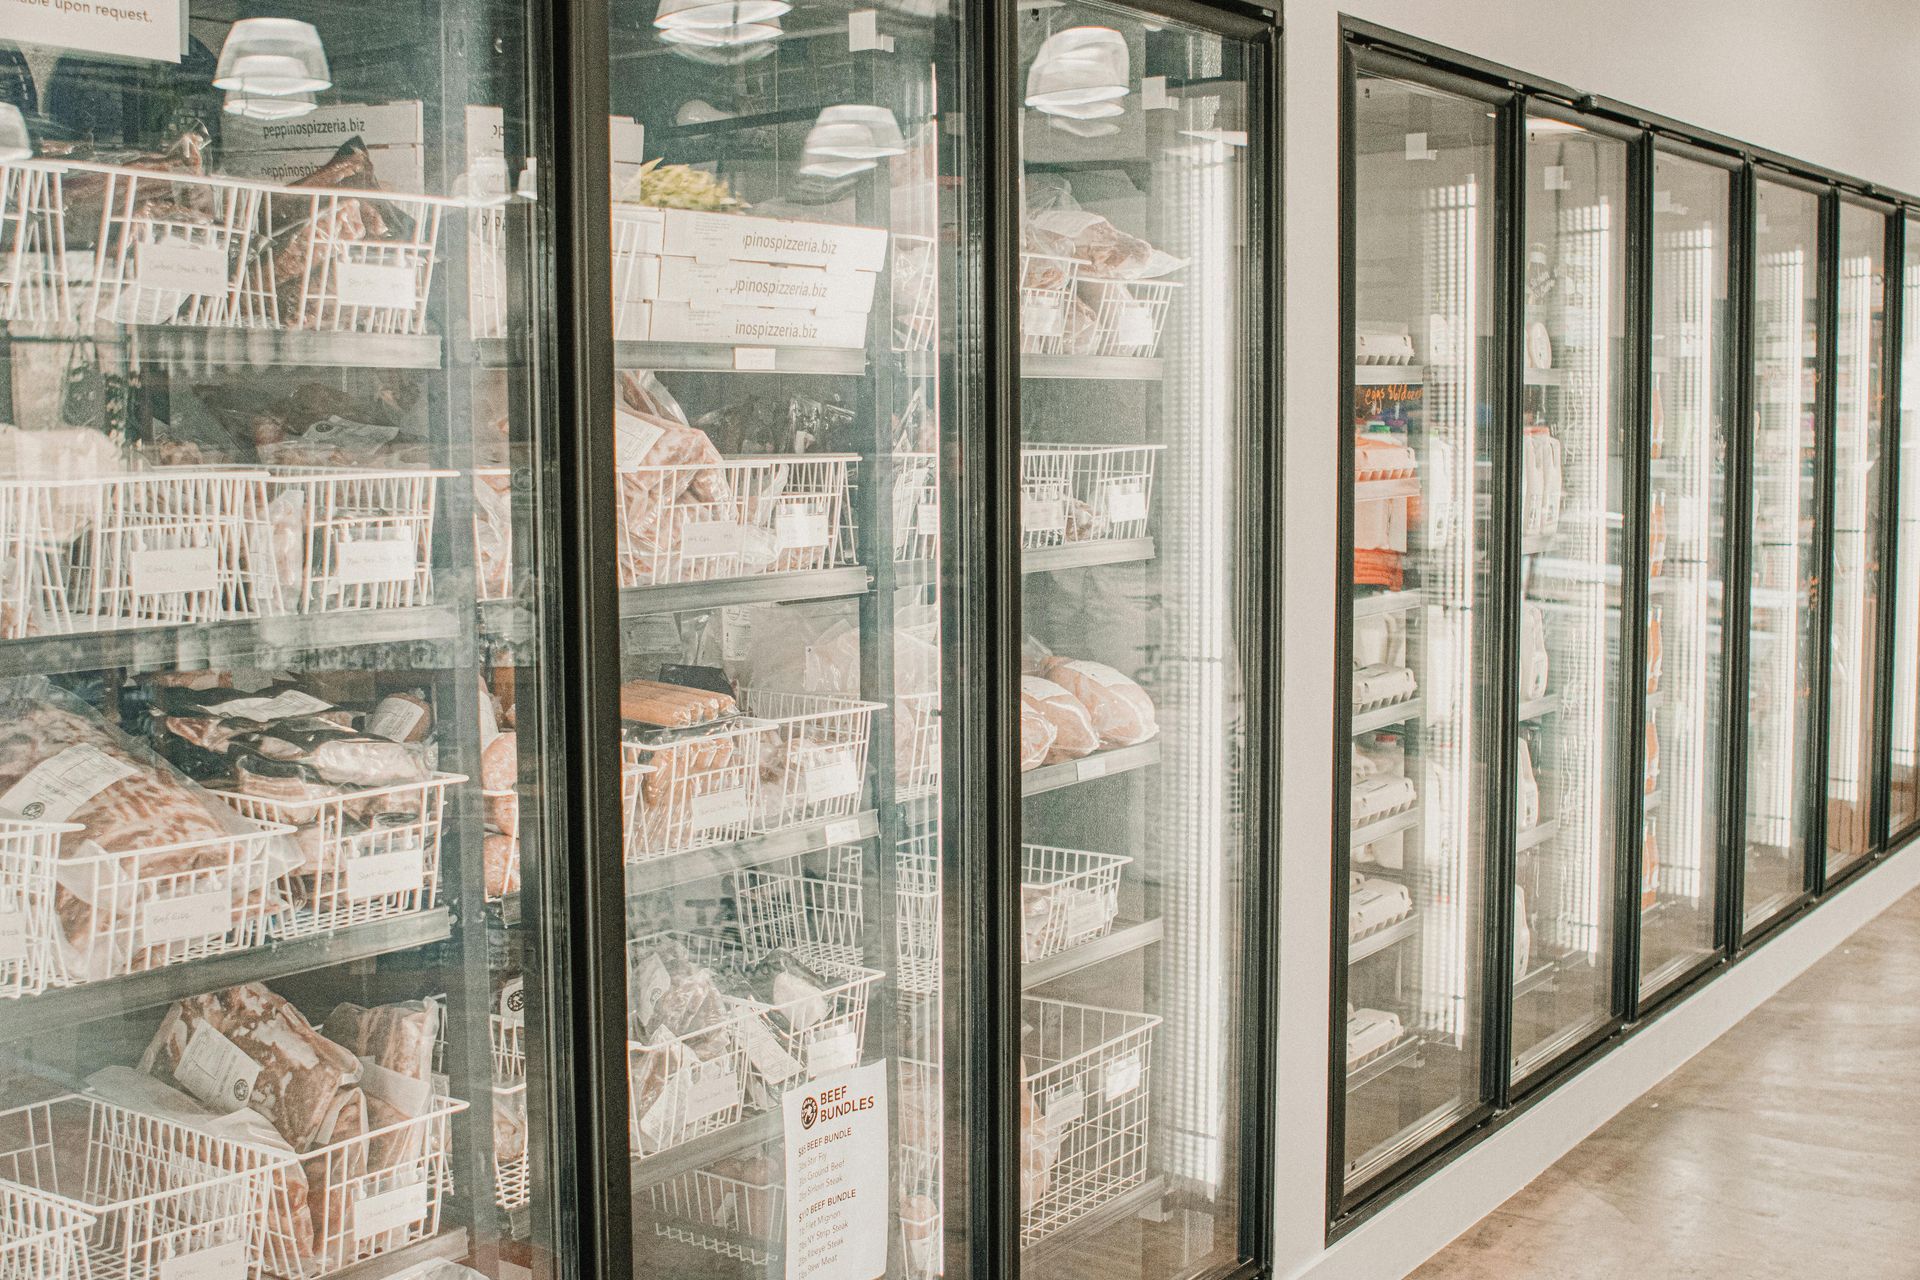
(1073, 728)
(1121, 710)
(672, 706)
(399, 1037)
(1037, 732)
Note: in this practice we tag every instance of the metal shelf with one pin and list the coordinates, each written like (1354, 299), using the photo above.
(1392, 713)
(1535, 836)
(68, 1007)
(1368, 832)
(262, 642)
(707, 357)
(1100, 764)
(1545, 377)
(1535, 979)
(716, 860)
(1402, 1054)
(751, 1131)
(1380, 939)
(1536, 708)
(1082, 555)
(1389, 375)
(1387, 602)
(1073, 1233)
(190, 345)
(1386, 490)
(1124, 368)
(760, 588)
(1123, 939)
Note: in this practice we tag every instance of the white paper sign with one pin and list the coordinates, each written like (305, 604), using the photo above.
(374, 284)
(1065, 1105)
(1556, 176)
(718, 809)
(1043, 515)
(378, 875)
(175, 266)
(831, 776)
(837, 1193)
(152, 30)
(1126, 501)
(704, 538)
(13, 936)
(56, 788)
(160, 571)
(220, 1262)
(1135, 326)
(753, 359)
(1153, 94)
(213, 1069)
(1090, 767)
(832, 1053)
(191, 915)
(393, 1210)
(710, 1089)
(795, 526)
(366, 560)
(844, 831)
(1121, 1078)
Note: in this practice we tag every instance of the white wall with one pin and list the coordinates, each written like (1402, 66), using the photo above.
(1832, 82)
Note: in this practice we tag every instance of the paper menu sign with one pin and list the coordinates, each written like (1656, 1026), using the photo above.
(149, 30)
(835, 1139)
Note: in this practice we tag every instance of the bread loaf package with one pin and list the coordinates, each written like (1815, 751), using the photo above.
(672, 706)
(1073, 731)
(1121, 710)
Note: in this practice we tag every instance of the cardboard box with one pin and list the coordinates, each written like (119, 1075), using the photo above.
(710, 285)
(389, 124)
(723, 237)
(754, 326)
(626, 138)
(401, 169)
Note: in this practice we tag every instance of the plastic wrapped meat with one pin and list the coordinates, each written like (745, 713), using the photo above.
(1075, 732)
(502, 856)
(500, 762)
(1121, 710)
(509, 1126)
(672, 705)
(339, 755)
(1037, 733)
(1109, 252)
(400, 1037)
(670, 993)
(1039, 1148)
(492, 535)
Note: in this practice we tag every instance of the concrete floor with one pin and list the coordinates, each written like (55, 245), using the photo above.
(1789, 1148)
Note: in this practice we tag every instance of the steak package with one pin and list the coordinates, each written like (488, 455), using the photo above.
(145, 831)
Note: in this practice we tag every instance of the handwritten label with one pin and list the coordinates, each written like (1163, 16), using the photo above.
(753, 359)
(13, 936)
(54, 789)
(1043, 515)
(1121, 1077)
(831, 776)
(1065, 1105)
(162, 571)
(710, 1089)
(368, 560)
(213, 1069)
(1126, 501)
(380, 875)
(796, 526)
(175, 266)
(836, 1052)
(375, 284)
(219, 1262)
(705, 538)
(376, 1215)
(188, 916)
(718, 809)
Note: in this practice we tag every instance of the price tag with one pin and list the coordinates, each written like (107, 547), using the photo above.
(718, 809)
(831, 776)
(174, 266)
(160, 571)
(1121, 1077)
(706, 538)
(764, 1050)
(1065, 1105)
(754, 359)
(1090, 767)
(1556, 178)
(189, 915)
(213, 1069)
(1126, 500)
(711, 1088)
(13, 936)
(836, 1052)
(843, 831)
(375, 284)
(219, 1262)
(380, 875)
(1043, 515)
(365, 560)
(1087, 914)
(796, 526)
(394, 1210)
(1135, 326)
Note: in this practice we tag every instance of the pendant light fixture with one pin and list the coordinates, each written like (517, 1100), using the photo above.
(272, 58)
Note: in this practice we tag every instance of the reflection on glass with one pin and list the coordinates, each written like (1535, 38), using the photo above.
(1904, 729)
(1852, 744)
(1692, 386)
(1572, 510)
(1424, 269)
(1780, 656)
(1136, 150)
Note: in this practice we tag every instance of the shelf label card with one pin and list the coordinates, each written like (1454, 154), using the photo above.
(926, 519)
(394, 1210)
(703, 539)
(718, 809)
(56, 788)
(176, 266)
(376, 284)
(1126, 501)
(843, 831)
(838, 1200)
(165, 571)
(1417, 147)
(1153, 94)
(764, 1050)
(710, 1088)
(1043, 515)
(836, 1052)
(1064, 1105)
(1556, 178)
(387, 874)
(186, 916)
(369, 560)
(830, 775)
(1121, 1077)
(1135, 327)
(797, 526)
(1087, 914)
(13, 936)
(1090, 767)
(218, 1262)
(214, 1069)
(753, 359)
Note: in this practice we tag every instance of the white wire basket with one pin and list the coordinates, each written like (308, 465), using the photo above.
(350, 538)
(170, 248)
(367, 1196)
(916, 507)
(697, 522)
(916, 292)
(368, 854)
(1067, 897)
(921, 1219)
(636, 258)
(162, 547)
(1046, 302)
(1085, 493)
(681, 1087)
(1127, 316)
(343, 260)
(165, 904)
(42, 1237)
(1091, 1086)
(690, 792)
(492, 534)
(813, 761)
(33, 269)
(916, 744)
(487, 270)
(916, 891)
(511, 1188)
(159, 1200)
(736, 1209)
(808, 905)
(29, 925)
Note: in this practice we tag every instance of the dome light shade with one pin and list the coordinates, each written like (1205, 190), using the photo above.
(676, 15)
(1084, 128)
(252, 105)
(14, 142)
(1091, 111)
(721, 38)
(1077, 67)
(822, 168)
(854, 131)
(273, 57)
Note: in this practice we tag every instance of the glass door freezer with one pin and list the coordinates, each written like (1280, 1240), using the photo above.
(1903, 746)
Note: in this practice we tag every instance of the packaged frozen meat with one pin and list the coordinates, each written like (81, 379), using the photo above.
(1072, 733)
(399, 1037)
(1037, 732)
(672, 706)
(1122, 712)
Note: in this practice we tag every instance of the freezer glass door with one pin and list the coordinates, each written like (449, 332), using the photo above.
(1787, 302)
(785, 185)
(1570, 697)
(277, 891)
(1411, 921)
(1693, 387)
(1852, 741)
(1137, 292)
(1903, 800)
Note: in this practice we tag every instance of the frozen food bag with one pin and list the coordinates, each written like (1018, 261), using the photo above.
(1073, 729)
(1122, 712)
